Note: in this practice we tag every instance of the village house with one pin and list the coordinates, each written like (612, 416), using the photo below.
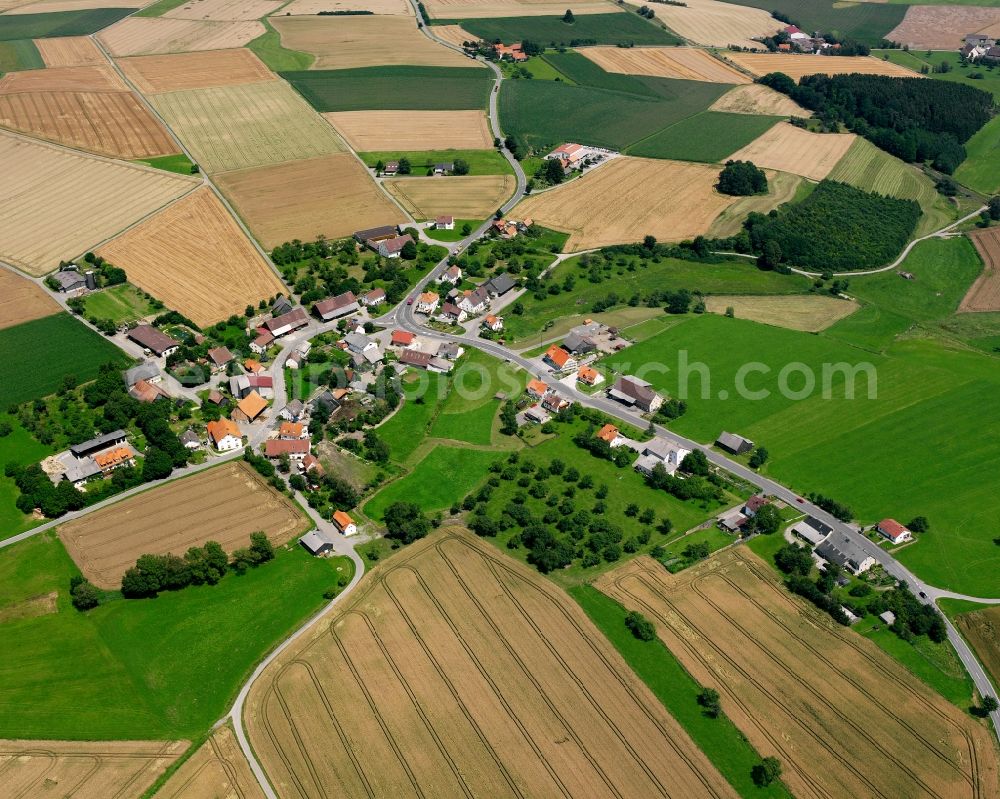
(452, 314)
(292, 430)
(474, 301)
(453, 275)
(811, 530)
(514, 52)
(632, 391)
(588, 376)
(239, 386)
(427, 302)
(69, 280)
(445, 222)
(224, 435)
(264, 340)
(215, 397)
(450, 350)
(253, 366)
(536, 413)
(390, 168)
(156, 341)
(296, 449)
(843, 551)
(335, 307)
(344, 523)
(293, 411)
(660, 452)
(537, 388)
(505, 228)
(315, 543)
(373, 298)
(443, 169)
(401, 338)
(84, 449)
(392, 248)
(262, 384)
(754, 504)
(375, 234)
(500, 284)
(189, 438)
(359, 342)
(554, 402)
(286, 323)
(734, 444)
(559, 359)
(894, 531)
(611, 435)
(494, 323)
(114, 458)
(145, 391)
(147, 370)
(219, 357)
(249, 408)
(312, 468)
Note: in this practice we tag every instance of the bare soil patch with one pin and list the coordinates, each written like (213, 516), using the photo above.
(312, 7)
(364, 41)
(224, 10)
(479, 9)
(798, 65)
(718, 24)
(83, 769)
(758, 99)
(981, 629)
(844, 718)
(152, 74)
(70, 51)
(791, 149)
(21, 300)
(225, 504)
(689, 63)
(218, 770)
(466, 197)
(150, 35)
(457, 671)
(59, 203)
(810, 313)
(984, 294)
(944, 27)
(30, 608)
(386, 131)
(332, 196)
(196, 259)
(628, 198)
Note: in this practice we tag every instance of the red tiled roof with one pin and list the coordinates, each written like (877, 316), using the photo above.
(275, 448)
(608, 433)
(402, 338)
(892, 528)
(557, 355)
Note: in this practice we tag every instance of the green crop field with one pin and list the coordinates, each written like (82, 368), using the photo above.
(160, 7)
(596, 28)
(142, 669)
(481, 162)
(179, 163)
(121, 303)
(397, 88)
(37, 355)
(581, 70)
(59, 23)
(961, 72)
(981, 168)
(20, 447)
(866, 22)
(267, 47)
(710, 137)
(468, 412)
(19, 54)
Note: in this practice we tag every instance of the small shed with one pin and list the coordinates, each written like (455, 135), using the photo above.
(316, 543)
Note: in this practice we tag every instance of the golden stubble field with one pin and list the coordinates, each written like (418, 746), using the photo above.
(718, 24)
(312, 7)
(981, 629)
(984, 294)
(224, 504)
(688, 63)
(464, 197)
(70, 51)
(218, 770)
(83, 769)
(479, 9)
(386, 131)
(51, 6)
(21, 300)
(152, 74)
(224, 10)
(801, 152)
(456, 671)
(342, 42)
(59, 203)
(756, 98)
(843, 717)
(798, 65)
(627, 198)
(194, 258)
(152, 35)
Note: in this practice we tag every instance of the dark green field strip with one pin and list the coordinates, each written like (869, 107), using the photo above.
(60, 23)
(19, 54)
(585, 72)
(710, 137)
(621, 28)
(866, 22)
(402, 88)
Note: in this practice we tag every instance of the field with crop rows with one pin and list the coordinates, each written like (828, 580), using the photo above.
(475, 9)
(758, 99)
(981, 629)
(689, 63)
(718, 24)
(799, 65)
(467, 197)
(710, 137)
(866, 22)
(368, 131)
(811, 312)
(218, 770)
(148, 36)
(152, 74)
(596, 28)
(943, 27)
(791, 149)
(62, 23)
(224, 10)
(70, 51)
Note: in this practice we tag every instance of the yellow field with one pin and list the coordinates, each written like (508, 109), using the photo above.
(758, 99)
(383, 131)
(195, 259)
(218, 770)
(51, 6)
(70, 51)
(478, 9)
(781, 188)
(152, 74)
(252, 124)
(810, 313)
(453, 34)
(628, 198)
(457, 671)
(689, 63)
(364, 41)
(22, 300)
(58, 203)
(795, 150)
(332, 196)
(717, 24)
(466, 197)
(224, 10)
(310, 7)
(151, 35)
(797, 65)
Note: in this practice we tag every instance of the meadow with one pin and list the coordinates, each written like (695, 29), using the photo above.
(407, 427)
(37, 355)
(59, 23)
(866, 22)
(120, 303)
(268, 48)
(394, 88)
(594, 28)
(179, 164)
(143, 669)
(20, 447)
(481, 162)
(710, 137)
(961, 72)
(19, 54)
(981, 168)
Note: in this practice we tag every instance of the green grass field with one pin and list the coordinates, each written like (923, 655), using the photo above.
(710, 137)
(22, 448)
(866, 22)
(455, 234)
(981, 168)
(120, 303)
(160, 7)
(37, 355)
(961, 72)
(179, 163)
(268, 48)
(539, 67)
(59, 23)
(399, 88)
(602, 28)
(581, 70)
(19, 54)
(408, 426)
(481, 162)
(142, 669)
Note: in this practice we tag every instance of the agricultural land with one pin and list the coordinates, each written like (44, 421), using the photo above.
(782, 187)
(984, 294)
(216, 271)
(21, 300)
(143, 36)
(469, 197)
(476, 9)
(708, 137)
(981, 629)
(217, 769)
(59, 23)
(367, 131)
(718, 24)
(199, 70)
(757, 99)
(19, 54)
(592, 28)
(811, 313)
(379, 7)
(791, 149)
(70, 51)
(224, 10)
(981, 168)
(864, 22)
(797, 66)
(934, 27)
(688, 63)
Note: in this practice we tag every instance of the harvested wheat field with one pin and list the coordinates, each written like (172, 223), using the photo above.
(380, 7)
(253, 124)
(409, 131)
(52, 6)
(944, 27)
(791, 149)
(844, 718)
(100, 78)
(153, 74)
(454, 34)
(70, 51)
(810, 313)
(799, 65)
(627, 198)
(21, 300)
(218, 770)
(343, 42)
(718, 24)
(195, 258)
(480, 9)
(224, 10)
(758, 99)
(981, 628)
(332, 196)
(58, 203)
(224, 504)
(984, 294)
(152, 35)
(689, 63)
(464, 197)
(781, 188)
(457, 671)
(83, 769)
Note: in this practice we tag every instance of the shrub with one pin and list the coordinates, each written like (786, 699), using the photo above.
(641, 627)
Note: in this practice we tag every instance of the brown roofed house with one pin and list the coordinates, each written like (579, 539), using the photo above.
(156, 341)
(334, 307)
(250, 407)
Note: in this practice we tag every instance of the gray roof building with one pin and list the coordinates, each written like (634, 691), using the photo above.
(280, 306)
(811, 530)
(69, 280)
(838, 548)
(334, 307)
(85, 448)
(153, 339)
(316, 543)
(147, 370)
(500, 284)
(578, 344)
(633, 391)
(734, 443)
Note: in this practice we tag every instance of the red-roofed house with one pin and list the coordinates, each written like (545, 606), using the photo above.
(392, 248)
(568, 153)
(537, 389)
(514, 52)
(558, 358)
(754, 504)
(402, 338)
(295, 449)
(224, 435)
(444, 223)
(344, 523)
(610, 434)
(894, 531)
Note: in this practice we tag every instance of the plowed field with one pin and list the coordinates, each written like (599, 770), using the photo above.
(194, 258)
(791, 149)
(799, 65)
(844, 718)
(688, 63)
(21, 300)
(69, 51)
(149, 35)
(385, 131)
(469, 197)
(457, 671)
(758, 99)
(984, 294)
(218, 770)
(152, 74)
(224, 504)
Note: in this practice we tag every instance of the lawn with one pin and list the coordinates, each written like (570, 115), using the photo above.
(472, 426)
(19, 54)
(37, 355)
(590, 28)
(468, 412)
(122, 303)
(268, 48)
(710, 137)
(481, 162)
(866, 22)
(981, 168)
(59, 23)
(398, 88)
(142, 669)
(961, 71)
(454, 234)
(539, 67)
(719, 739)
(406, 428)
(179, 163)
(22, 448)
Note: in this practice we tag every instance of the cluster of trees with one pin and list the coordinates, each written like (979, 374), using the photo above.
(797, 563)
(704, 489)
(765, 521)
(833, 507)
(915, 120)
(646, 11)
(758, 457)
(913, 617)
(619, 456)
(742, 179)
(406, 522)
(641, 627)
(671, 409)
